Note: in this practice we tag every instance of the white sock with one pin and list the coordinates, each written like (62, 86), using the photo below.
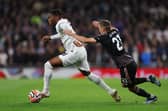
(48, 68)
(96, 79)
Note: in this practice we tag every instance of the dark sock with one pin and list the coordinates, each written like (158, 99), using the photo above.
(140, 80)
(142, 92)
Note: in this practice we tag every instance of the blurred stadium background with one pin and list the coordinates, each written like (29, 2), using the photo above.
(22, 53)
(144, 24)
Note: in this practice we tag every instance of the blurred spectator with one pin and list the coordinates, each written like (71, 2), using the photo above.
(3, 58)
(24, 22)
(146, 56)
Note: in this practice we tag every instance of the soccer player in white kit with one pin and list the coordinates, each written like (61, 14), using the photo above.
(75, 55)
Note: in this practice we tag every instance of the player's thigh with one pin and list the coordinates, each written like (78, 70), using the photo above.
(56, 62)
(69, 58)
(132, 68)
(83, 65)
(129, 71)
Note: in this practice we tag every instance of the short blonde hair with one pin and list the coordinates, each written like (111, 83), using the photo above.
(106, 24)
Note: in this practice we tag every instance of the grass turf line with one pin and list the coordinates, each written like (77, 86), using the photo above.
(77, 95)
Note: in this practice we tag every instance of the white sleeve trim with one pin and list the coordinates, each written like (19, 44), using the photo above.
(55, 36)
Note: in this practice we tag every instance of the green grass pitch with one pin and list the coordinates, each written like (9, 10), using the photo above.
(78, 95)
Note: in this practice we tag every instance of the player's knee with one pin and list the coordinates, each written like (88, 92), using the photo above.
(91, 76)
(48, 65)
(85, 73)
(95, 78)
(132, 89)
(47, 68)
(56, 62)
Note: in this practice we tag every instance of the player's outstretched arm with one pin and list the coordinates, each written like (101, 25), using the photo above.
(79, 37)
(46, 38)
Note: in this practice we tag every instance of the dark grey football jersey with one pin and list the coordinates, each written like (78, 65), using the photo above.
(113, 43)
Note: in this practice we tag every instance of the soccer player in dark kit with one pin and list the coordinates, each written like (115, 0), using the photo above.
(112, 41)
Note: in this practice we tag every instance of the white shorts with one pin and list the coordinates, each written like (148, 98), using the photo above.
(77, 57)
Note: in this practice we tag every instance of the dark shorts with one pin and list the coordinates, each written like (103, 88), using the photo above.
(128, 72)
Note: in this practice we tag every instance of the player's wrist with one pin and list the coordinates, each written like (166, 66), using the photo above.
(51, 37)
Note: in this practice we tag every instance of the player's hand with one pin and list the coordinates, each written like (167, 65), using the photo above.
(68, 32)
(95, 23)
(77, 43)
(45, 38)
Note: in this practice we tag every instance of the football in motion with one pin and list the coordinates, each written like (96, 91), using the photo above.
(34, 96)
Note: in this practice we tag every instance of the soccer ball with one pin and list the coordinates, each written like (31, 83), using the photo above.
(34, 96)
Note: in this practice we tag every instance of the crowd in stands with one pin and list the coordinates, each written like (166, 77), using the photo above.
(144, 24)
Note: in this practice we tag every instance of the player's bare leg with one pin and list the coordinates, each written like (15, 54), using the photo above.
(141, 92)
(151, 79)
(100, 82)
(48, 69)
(130, 82)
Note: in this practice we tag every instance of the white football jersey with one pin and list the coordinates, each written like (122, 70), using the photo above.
(64, 24)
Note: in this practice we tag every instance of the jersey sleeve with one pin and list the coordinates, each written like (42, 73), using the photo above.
(66, 26)
(55, 36)
(99, 38)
